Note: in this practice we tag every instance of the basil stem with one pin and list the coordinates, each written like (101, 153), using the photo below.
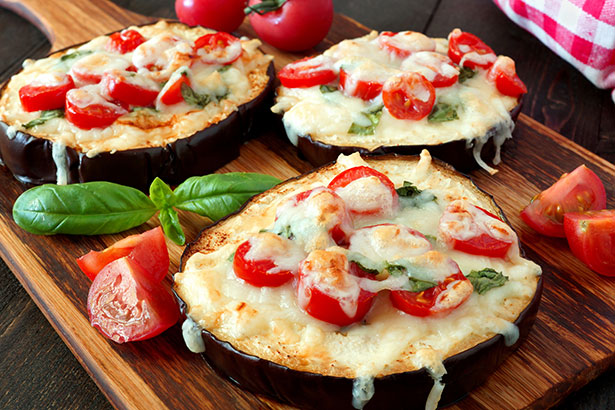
(373, 116)
(486, 279)
(92, 208)
(75, 54)
(465, 73)
(443, 112)
(44, 117)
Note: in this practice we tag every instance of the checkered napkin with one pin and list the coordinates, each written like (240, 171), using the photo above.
(582, 32)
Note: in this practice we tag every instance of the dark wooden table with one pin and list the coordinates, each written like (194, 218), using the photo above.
(38, 371)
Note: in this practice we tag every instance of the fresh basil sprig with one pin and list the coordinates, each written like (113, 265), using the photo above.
(373, 116)
(486, 279)
(44, 117)
(94, 208)
(75, 54)
(443, 112)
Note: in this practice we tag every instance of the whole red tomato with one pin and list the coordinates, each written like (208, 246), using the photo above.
(296, 25)
(221, 15)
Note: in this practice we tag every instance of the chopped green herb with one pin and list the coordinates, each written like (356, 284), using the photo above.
(373, 116)
(408, 189)
(138, 109)
(231, 257)
(193, 98)
(411, 196)
(365, 268)
(286, 233)
(414, 284)
(431, 239)
(396, 270)
(465, 73)
(75, 54)
(224, 68)
(486, 279)
(443, 112)
(44, 117)
(327, 89)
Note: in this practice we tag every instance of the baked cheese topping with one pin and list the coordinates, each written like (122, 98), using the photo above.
(271, 323)
(331, 115)
(166, 53)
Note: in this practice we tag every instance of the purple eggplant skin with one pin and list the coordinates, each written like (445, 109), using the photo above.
(30, 159)
(409, 390)
(455, 153)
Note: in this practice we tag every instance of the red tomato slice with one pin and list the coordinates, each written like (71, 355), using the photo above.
(409, 96)
(505, 77)
(48, 93)
(405, 43)
(130, 90)
(467, 50)
(218, 48)
(436, 67)
(591, 236)
(471, 229)
(307, 72)
(126, 306)
(327, 291)
(581, 190)
(173, 93)
(360, 205)
(90, 69)
(260, 272)
(125, 41)
(362, 88)
(86, 109)
(148, 249)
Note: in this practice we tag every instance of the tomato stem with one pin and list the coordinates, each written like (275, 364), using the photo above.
(264, 7)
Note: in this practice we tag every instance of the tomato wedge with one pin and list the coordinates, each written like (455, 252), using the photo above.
(409, 96)
(436, 67)
(131, 90)
(125, 41)
(86, 109)
(218, 48)
(467, 50)
(405, 43)
(126, 306)
(148, 249)
(307, 72)
(581, 190)
(172, 91)
(48, 93)
(505, 77)
(328, 291)
(360, 84)
(355, 185)
(255, 260)
(471, 229)
(591, 236)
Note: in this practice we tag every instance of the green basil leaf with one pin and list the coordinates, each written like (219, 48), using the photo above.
(373, 116)
(75, 54)
(224, 68)
(486, 279)
(161, 194)
(365, 268)
(465, 73)
(193, 98)
(44, 117)
(325, 89)
(217, 195)
(414, 284)
(149, 110)
(231, 257)
(411, 196)
(443, 112)
(169, 220)
(285, 232)
(408, 189)
(396, 270)
(92, 208)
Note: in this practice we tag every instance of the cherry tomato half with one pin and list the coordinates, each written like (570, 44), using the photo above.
(591, 236)
(262, 272)
(505, 77)
(471, 229)
(360, 85)
(296, 26)
(148, 249)
(130, 90)
(436, 67)
(218, 48)
(86, 109)
(172, 92)
(327, 291)
(409, 96)
(126, 306)
(307, 72)
(405, 43)
(220, 15)
(48, 94)
(466, 45)
(90, 69)
(125, 41)
(581, 190)
(354, 188)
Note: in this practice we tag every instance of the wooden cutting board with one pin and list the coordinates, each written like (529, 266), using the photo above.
(571, 343)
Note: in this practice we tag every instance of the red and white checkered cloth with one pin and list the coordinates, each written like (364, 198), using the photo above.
(582, 32)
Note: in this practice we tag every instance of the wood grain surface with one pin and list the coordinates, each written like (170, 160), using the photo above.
(571, 343)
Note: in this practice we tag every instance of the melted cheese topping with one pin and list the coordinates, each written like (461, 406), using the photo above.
(327, 117)
(270, 323)
(168, 48)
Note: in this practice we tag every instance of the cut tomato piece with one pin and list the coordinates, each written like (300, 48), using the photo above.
(437, 68)
(125, 41)
(86, 109)
(255, 260)
(172, 92)
(307, 72)
(359, 84)
(471, 229)
(148, 249)
(581, 190)
(47, 93)
(328, 291)
(365, 191)
(467, 50)
(218, 48)
(126, 306)
(591, 236)
(405, 43)
(409, 96)
(505, 77)
(90, 68)
(135, 90)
